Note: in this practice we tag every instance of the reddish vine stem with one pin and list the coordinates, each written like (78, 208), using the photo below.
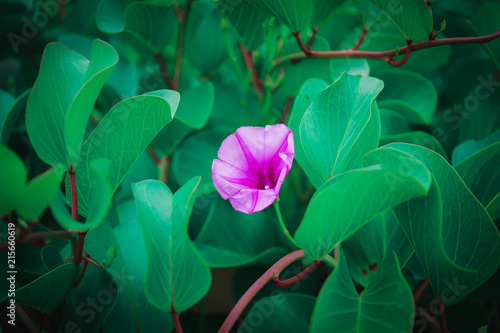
(254, 75)
(311, 39)
(257, 286)
(361, 39)
(84, 268)
(86, 257)
(424, 314)
(419, 289)
(74, 212)
(291, 281)
(384, 55)
(442, 317)
(176, 321)
(286, 110)
(44, 235)
(164, 71)
(307, 51)
(401, 62)
(180, 45)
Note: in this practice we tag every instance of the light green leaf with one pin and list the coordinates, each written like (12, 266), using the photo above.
(283, 312)
(37, 194)
(102, 60)
(385, 305)
(409, 94)
(418, 138)
(470, 147)
(176, 276)
(348, 201)
(100, 195)
(46, 291)
(454, 238)
(230, 238)
(12, 179)
(307, 94)
(341, 125)
(412, 18)
(121, 136)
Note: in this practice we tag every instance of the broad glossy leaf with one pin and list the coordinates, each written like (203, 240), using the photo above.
(247, 20)
(393, 123)
(37, 194)
(408, 93)
(493, 207)
(7, 101)
(154, 23)
(418, 138)
(283, 312)
(480, 172)
(176, 275)
(7, 125)
(12, 179)
(341, 125)
(63, 97)
(110, 16)
(485, 22)
(46, 291)
(296, 15)
(132, 311)
(121, 136)
(229, 238)
(368, 246)
(454, 238)
(99, 201)
(307, 94)
(195, 157)
(357, 67)
(412, 18)
(348, 201)
(385, 305)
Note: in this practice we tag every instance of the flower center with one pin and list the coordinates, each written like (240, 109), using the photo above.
(266, 187)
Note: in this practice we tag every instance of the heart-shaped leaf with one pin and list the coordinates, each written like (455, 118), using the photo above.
(341, 125)
(373, 310)
(176, 276)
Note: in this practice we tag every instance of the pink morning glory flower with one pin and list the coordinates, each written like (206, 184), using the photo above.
(253, 163)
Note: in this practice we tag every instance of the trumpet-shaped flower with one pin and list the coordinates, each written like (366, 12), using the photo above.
(253, 163)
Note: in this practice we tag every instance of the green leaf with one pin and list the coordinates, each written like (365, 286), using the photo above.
(176, 276)
(37, 194)
(493, 207)
(296, 15)
(110, 16)
(46, 291)
(357, 67)
(392, 123)
(154, 23)
(247, 21)
(121, 136)
(412, 18)
(322, 9)
(12, 179)
(132, 311)
(341, 125)
(409, 94)
(348, 201)
(195, 157)
(7, 101)
(418, 138)
(481, 174)
(307, 94)
(486, 22)
(454, 238)
(385, 305)
(63, 97)
(283, 312)
(230, 238)
(100, 196)
(11, 116)
(368, 247)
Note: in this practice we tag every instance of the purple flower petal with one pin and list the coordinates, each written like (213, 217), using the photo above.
(253, 163)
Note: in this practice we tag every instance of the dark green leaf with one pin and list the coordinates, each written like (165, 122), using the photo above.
(322, 9)
(7, 125)
(486, 22)
(296, 15)
(12, 179)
